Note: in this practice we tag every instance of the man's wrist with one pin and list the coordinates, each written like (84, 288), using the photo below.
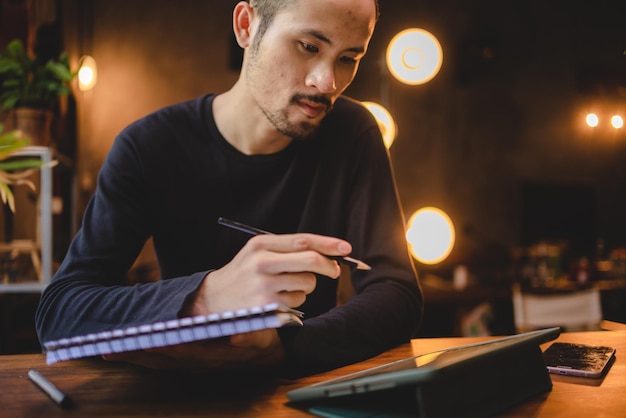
(195, 303)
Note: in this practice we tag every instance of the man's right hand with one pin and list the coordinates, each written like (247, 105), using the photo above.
(270, 268)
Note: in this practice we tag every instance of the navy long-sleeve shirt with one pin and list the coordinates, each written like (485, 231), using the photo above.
(171, 175)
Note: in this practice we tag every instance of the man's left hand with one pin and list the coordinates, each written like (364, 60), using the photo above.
(253, 350)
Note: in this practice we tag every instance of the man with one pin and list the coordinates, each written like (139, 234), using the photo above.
(282, 151)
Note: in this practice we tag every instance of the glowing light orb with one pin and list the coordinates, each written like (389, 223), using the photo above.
(87, 73)
(592, 120)
(385, 122)
(414, 56)
(617, 122)
(430, 234)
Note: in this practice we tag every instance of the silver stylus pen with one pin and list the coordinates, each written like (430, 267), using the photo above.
(352, 262)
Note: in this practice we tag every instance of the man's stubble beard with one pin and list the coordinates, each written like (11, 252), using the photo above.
(280, 118)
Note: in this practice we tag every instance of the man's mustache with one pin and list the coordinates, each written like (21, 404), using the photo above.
(316, 99)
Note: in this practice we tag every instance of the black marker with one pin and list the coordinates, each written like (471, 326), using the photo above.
(352, 262)
(55, 394)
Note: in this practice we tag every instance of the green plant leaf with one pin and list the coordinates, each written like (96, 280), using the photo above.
(60, 70)
(11, 142)
(8, 65)
(7, 196)
(9, 103)
(16, 171)
(11, 83)
(27, 81)
(15, 49)
(21, 164)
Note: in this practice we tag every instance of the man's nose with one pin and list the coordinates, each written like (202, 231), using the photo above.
(322, 77)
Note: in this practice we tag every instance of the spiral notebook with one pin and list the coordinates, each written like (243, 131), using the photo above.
(176, 331)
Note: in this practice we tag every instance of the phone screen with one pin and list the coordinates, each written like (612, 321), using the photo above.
(578, 359)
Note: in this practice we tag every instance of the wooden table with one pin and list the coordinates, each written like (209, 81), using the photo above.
(104, 389)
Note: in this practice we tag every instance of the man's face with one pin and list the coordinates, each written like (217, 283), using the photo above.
(306, 59)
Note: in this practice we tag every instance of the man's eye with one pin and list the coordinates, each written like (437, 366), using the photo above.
(348, 60)
(308, 47)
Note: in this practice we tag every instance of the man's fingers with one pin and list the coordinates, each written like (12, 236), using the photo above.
(306, 261)
(295, 282)
(293, 299)
(286, 243)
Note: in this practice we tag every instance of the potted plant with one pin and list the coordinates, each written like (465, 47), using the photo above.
(31, 86)
(15, 171)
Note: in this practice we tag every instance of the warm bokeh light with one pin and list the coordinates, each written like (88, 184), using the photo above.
(385, 122)
(414, 56)
(617, 122)
(87, 73)
(430, 234)
(592, 120)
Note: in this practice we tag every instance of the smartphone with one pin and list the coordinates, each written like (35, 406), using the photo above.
(579, 359)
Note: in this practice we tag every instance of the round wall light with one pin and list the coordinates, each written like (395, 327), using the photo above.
(414, 56)
(385, 122)
(617, 122)
(430, 235)
(87, 73)
(592, 120)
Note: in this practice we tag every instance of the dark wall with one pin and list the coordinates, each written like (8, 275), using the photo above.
(505, 110)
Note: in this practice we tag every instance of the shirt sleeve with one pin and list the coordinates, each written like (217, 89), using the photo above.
(89, 292)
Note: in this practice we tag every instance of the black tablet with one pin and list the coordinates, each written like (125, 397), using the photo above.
(419, 370)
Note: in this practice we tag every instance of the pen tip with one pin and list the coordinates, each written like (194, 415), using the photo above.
(362, 266)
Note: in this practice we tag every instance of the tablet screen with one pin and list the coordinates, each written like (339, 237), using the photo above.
(410, 363)
(441, 358)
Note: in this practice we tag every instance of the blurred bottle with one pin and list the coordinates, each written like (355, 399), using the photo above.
(602, 263)
(547, 264)
(582, 271)
(618, 263)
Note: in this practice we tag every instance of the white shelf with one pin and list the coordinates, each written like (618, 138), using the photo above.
(26, 287)
(41, 248)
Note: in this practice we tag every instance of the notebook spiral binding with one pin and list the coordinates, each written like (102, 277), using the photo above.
(176, 331)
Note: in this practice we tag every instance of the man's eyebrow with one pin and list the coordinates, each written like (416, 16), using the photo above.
(323, 38)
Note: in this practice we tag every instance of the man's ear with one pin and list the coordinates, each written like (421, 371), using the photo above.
(242, 23)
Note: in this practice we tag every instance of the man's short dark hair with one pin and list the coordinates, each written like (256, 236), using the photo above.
(267, 9)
